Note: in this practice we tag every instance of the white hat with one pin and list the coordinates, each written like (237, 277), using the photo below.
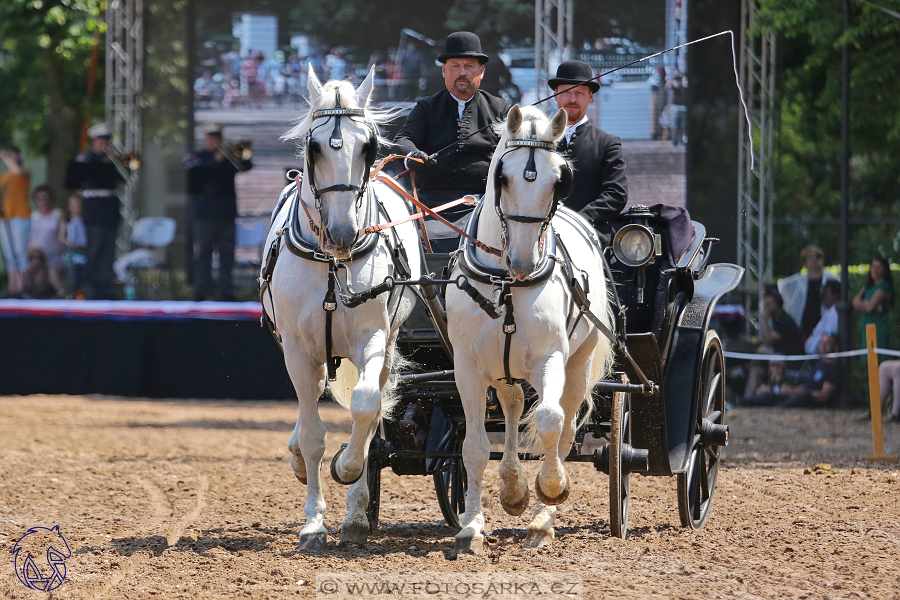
(211, 128)
(99, 130)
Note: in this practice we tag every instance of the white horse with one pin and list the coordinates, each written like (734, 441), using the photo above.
(558, 353)
(340, 134)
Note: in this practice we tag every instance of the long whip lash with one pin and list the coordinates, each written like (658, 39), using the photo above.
(634, 62)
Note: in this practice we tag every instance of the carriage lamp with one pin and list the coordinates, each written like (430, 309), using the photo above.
(634, 245)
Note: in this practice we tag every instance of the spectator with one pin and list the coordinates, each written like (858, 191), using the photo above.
(831, 293)
(15, 219)
(818, 391)
(335, 65)
(231, 62)
(207, 90)
(781, 337)
(38, 282)
(802, 291)
(45, 223)
(874, 300)
(889, 378)
(73, 235)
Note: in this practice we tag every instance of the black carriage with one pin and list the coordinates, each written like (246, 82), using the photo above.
(661, 414)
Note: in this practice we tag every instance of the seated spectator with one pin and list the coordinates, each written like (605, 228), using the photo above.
(777, 378)
(45, 223)
(889, 379)
(38, 283)
(819, 390)
(73, 235)
(782, 333)
(781, 337)
(831, 293)
(802, 291)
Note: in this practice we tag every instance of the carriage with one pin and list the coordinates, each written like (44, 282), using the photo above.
(674, 425)
(658, 412)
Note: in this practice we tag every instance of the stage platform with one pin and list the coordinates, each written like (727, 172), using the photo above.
(139, 349)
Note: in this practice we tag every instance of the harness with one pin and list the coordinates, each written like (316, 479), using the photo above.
(367, 239)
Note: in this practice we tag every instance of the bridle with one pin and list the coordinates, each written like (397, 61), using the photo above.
(336, 142)
(561, 190)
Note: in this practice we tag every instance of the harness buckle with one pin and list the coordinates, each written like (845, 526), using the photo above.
(329, 306)
(530, 175)
(511, 328)
(336, 143)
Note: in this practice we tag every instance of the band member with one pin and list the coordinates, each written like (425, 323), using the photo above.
(600, 190)
(447, 117)
(94, 173)
(211, 174)
(15, 221)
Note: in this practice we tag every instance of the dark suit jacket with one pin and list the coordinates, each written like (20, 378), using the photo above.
(600, 191)
(434, 124)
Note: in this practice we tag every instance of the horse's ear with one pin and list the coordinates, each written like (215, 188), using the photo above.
(558, 124)
(514, 119)
(313, 86)
(365, 88)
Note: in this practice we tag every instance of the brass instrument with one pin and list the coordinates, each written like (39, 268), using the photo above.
(126, 164)
(237, 151)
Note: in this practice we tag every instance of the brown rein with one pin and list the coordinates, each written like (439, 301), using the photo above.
(423, 210)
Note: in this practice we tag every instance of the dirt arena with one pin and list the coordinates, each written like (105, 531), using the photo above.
(177, 499)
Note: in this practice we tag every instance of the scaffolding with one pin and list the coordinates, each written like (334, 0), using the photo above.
(124, 84)
(757, 75)
(553, 23)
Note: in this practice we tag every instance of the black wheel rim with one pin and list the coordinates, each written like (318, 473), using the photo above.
(697, 484)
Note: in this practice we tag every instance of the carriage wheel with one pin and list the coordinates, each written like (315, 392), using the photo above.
(698, 482)
(373, 479)
(619, 475)
(450, 479)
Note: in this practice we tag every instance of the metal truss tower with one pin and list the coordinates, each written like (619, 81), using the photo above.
(553, 23)
(124, 84)
(757, 75)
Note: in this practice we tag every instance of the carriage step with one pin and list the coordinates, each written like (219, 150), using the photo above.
(634, 460)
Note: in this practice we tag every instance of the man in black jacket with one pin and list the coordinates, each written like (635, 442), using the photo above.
(444, 119)
(213, 210)
(600, 190)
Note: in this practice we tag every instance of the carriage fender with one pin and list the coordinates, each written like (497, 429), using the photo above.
(681, 372)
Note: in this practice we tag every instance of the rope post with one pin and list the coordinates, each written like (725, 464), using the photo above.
(875, 400)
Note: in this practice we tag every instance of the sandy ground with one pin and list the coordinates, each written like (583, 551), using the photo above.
(175, 499)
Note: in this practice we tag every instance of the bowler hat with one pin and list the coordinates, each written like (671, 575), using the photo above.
(463, 44)
(574, 72)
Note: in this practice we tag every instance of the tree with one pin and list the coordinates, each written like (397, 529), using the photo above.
(44, 63)
(809, 87)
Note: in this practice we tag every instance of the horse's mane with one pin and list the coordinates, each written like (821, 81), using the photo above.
(376, 116)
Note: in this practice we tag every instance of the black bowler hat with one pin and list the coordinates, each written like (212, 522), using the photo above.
(463, 44)
(574, 72)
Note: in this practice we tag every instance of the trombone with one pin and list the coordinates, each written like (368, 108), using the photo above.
(126, 164)
(238, 151)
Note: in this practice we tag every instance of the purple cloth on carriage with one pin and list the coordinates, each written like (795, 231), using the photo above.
(679, 229)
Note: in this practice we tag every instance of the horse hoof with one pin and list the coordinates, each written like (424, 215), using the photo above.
(354, 533)
(334, 473)
(563, 496)
(473, 544)
(314, 542)
(516, 508)
(299, 469)
(537, 538)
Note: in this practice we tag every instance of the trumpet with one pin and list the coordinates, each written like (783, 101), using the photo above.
(126, 164)
(242, 150)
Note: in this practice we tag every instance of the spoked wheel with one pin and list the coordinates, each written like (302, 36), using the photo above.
(373, 479)
(697, 483)
(619, 473)
(449, 476)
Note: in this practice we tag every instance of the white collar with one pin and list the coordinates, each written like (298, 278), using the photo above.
(460, 104)
(570, 130)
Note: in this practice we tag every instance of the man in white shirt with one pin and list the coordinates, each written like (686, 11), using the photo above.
(831, 293)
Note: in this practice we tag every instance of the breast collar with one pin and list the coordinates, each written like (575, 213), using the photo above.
(474, 269)
(311, 250)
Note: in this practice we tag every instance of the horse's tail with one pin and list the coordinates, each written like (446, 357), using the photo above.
(348, 376)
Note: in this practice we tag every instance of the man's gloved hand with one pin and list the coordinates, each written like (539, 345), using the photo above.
(423, 163)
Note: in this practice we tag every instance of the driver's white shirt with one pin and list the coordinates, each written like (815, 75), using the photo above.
(570, 130)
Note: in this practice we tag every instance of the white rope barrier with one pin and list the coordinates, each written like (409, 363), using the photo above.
(797, 357)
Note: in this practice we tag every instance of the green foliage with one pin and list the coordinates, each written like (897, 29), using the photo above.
(811, 37)
(45, 53)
